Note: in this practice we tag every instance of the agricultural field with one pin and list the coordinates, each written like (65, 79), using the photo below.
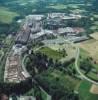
(90, 46)
(60, 44)
(58, 6)
(7, 16)
(64, 6)
(85, 93)
(58, 77)
(89, 67)
(70, 51)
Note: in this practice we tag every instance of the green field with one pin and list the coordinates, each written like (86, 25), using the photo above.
(84, 91)
(91, 74)
(54, 76)
(58, 6)
(63, 77)
(64, 6)
(52, 53)
(7, 16)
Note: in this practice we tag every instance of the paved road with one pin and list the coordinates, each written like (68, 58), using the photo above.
(24, 68)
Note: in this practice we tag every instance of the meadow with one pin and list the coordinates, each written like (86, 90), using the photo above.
(56, 55)
(7, 16)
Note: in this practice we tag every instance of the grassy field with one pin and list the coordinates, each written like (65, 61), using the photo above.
(54, 76)
(70, 51)
(30, 93)
(58, 6)
(52, 53)
(64, 6)
(7, 16)
(91, 74)
(63, 77)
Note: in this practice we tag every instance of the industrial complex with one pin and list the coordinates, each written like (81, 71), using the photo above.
(37, 28)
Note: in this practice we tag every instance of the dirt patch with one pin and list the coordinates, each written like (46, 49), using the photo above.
(94, 89)
(95, 35)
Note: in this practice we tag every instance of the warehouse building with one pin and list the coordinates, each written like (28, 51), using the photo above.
(23, 36)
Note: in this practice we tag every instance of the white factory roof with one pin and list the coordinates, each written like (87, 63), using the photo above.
(48, 31)
(27, 98)
(69, 29)
(65, 30)
(37, 35)
(53, 15)
(36, 17)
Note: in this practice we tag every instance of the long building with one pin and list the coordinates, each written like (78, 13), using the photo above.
(23, 36)
(13, 69)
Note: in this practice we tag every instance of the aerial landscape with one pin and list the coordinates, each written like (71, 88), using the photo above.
(48, 49)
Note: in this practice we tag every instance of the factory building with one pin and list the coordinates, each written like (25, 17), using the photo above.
(13, 69)
(23, 36)
(53, 24)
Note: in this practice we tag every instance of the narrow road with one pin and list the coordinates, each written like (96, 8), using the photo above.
(23, 66)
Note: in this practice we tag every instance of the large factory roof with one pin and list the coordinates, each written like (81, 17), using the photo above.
(65, 30)
(35, 17)
(13, 69)
(23, 35)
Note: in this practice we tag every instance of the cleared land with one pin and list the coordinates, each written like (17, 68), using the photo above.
(94, 89)
(95, 35)
(7, 16)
